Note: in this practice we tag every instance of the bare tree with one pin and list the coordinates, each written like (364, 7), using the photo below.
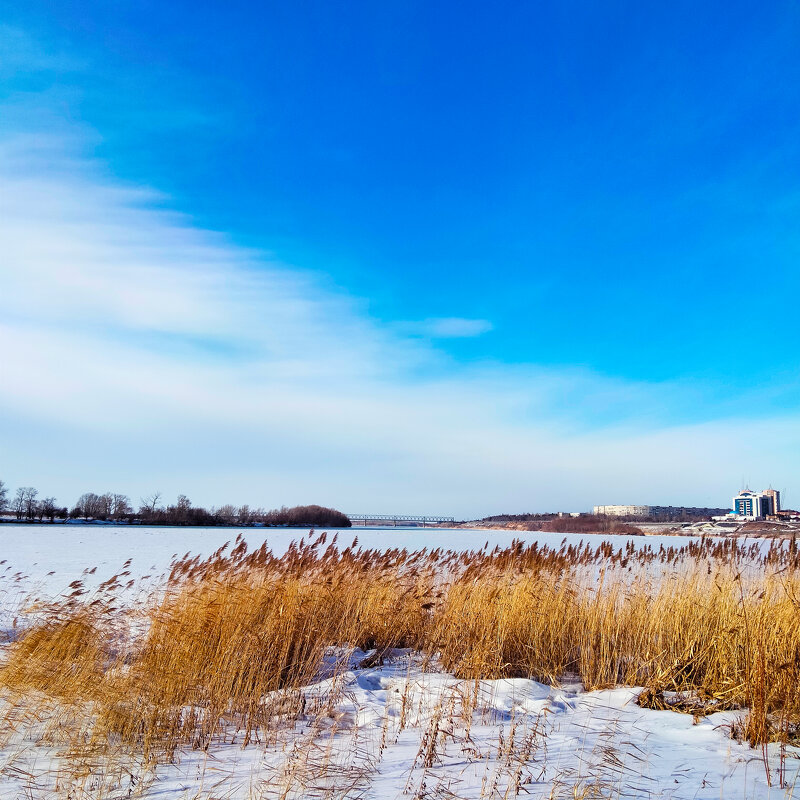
(3, 497)
(48, 508)
(24, 502)
(88, 505)
(120, 506)
(106, 505)
(18, 503)
(150, 503)
(226, 512)
(180, 511)
(94, 506)
(29, 501)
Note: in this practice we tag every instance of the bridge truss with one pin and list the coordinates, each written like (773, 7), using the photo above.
(395, 519)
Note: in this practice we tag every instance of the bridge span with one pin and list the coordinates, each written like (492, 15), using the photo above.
(385, 520)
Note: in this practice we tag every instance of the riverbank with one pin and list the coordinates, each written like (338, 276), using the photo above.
(755, 530)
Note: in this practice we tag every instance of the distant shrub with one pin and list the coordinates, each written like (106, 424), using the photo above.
(588, 524)
(301, 516)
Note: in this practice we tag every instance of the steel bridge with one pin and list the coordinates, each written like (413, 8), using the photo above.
(395, 519)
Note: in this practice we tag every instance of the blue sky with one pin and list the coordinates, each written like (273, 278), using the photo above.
(563, 230)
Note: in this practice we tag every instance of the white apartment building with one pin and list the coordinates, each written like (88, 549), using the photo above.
(621, 511)
(665, 512)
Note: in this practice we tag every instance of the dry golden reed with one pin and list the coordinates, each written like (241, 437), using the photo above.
(223, 648)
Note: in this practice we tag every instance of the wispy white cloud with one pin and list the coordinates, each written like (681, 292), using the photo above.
(137, 350)
(446, 328)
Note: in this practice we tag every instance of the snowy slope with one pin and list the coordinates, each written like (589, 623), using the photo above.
(397, 731)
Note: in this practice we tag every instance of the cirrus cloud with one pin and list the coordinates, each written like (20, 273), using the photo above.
(446, 328)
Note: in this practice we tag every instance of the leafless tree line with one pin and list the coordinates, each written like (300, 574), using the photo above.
(25, 506)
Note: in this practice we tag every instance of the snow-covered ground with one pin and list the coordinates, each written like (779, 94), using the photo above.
(397, 731)
(402, 730)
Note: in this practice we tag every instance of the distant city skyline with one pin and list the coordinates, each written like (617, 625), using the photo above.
(429, 259)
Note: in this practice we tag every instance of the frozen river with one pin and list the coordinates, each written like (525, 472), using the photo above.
(49, 557)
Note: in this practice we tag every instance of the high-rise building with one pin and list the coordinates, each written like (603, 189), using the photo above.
(757, 505)
(776, 499)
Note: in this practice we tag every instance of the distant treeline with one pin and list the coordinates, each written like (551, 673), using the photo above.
(25, 505)
(518, 517)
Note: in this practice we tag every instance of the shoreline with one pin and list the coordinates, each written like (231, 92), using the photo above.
(759, 530)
